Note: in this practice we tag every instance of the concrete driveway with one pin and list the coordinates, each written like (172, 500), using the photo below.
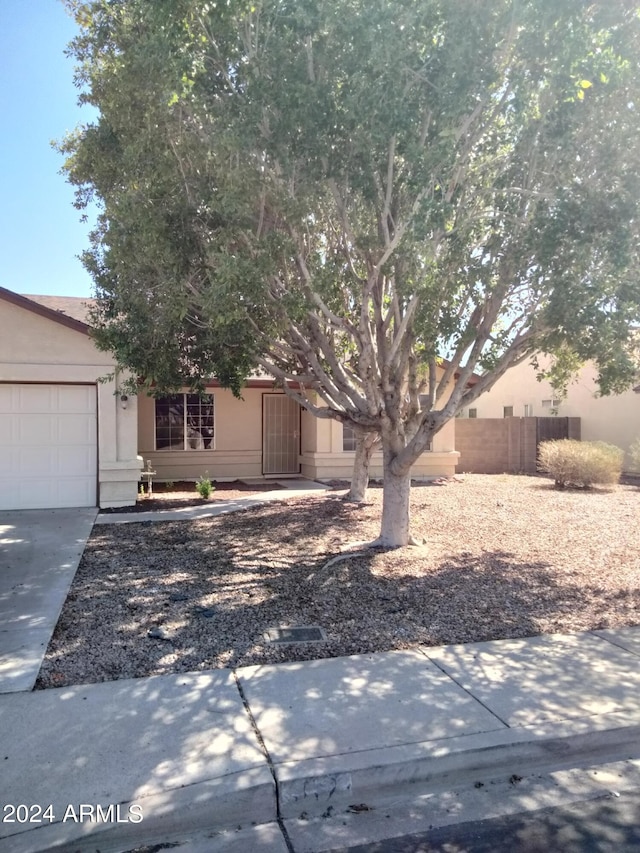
(39, 554)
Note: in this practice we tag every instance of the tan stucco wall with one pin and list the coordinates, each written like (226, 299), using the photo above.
(323, 457)
(339, 466)
(27, 338)
(238, 440)
(37, 349)
(614, 419)
(238, 445)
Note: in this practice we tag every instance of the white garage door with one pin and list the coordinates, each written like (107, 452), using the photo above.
(48, 446)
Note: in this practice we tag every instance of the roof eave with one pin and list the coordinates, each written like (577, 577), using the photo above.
(42, 311)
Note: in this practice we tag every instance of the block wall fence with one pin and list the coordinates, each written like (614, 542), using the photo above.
(507, 445)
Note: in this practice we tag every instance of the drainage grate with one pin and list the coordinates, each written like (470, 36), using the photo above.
(303, 634)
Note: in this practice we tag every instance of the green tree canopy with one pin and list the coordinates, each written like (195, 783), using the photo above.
(346, 193)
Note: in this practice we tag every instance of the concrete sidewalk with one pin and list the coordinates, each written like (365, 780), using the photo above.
(334, 749)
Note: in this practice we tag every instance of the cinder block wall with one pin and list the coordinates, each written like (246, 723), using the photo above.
(499, 445)
(483, 445)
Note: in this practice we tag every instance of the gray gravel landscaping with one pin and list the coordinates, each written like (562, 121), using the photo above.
(505, 556)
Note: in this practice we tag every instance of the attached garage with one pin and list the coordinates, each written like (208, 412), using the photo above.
(66, 438)
(48, 446)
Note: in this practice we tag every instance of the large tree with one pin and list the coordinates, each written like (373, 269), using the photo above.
(373, 201)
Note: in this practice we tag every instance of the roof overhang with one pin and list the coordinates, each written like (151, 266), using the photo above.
(42, 311)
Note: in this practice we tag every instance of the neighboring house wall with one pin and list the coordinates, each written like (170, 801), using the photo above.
(36, 350)
(614, 419)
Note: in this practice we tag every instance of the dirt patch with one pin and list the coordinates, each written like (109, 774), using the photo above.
(183, 494)
(506, 556)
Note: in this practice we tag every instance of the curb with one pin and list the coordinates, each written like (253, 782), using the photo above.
(362, 781)
(113, 765)
(317, 787)
(213, 806)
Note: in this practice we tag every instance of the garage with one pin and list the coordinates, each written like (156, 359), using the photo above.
(48, 446)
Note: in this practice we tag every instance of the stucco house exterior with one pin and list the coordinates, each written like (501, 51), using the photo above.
(265, 434)
(67, 438)
(614, 419)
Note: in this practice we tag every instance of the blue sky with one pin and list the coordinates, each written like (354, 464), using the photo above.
(40, 231)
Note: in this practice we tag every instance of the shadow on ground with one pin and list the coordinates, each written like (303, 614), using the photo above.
(212, 588)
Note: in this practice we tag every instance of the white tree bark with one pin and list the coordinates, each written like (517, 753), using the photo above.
(396, 491)
(394, 529)
(366, 443)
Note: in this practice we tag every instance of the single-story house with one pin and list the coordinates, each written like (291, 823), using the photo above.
(68, 438)
(265, 434)
(614, 419)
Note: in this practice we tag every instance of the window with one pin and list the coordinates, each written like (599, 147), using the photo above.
(528, 410)
(473, 413)
(551, 404)
(507, 411)
(348, 437)
(185, 422)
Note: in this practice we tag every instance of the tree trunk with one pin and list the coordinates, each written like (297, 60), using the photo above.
(394, 531)
(365, 445)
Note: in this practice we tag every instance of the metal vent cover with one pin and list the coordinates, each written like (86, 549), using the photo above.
(299, 634)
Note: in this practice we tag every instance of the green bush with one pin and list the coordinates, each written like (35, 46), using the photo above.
(634, 452)
(204, 487)
(580, 463)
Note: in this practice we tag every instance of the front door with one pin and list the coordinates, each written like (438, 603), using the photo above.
(280, 435)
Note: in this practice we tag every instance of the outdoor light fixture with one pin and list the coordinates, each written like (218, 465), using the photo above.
(124, 401)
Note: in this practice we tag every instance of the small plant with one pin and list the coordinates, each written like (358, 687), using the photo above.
(141, 491)
(168, 485)
(634, 453)
(204, 486)
(580, 463)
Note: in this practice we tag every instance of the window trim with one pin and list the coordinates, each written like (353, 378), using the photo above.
(208, 397)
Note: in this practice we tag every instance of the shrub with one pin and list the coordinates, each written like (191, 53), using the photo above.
(634, 452)
(204, 487)
(580, 463)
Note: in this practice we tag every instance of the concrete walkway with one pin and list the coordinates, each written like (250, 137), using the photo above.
(39, 554)
(294, 488)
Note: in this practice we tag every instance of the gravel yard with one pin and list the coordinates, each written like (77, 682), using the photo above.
(506, 556)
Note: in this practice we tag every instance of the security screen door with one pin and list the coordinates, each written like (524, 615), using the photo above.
(280, 435)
